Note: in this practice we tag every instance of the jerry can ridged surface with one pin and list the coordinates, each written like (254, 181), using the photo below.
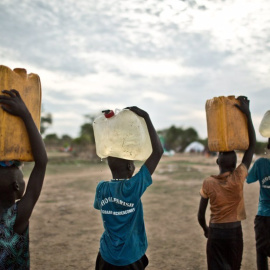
(124, 135)
(14, 141)
(264, 127)
(226, 125)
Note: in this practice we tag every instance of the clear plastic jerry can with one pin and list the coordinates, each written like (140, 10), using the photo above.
(122, 134)
(264, 127)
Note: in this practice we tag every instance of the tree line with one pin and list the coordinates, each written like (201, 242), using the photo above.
(173, 138)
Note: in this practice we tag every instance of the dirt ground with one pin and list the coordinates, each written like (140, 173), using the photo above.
(65, 228)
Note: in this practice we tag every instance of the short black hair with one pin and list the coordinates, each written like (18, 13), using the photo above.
(227, 159)
(114, 162)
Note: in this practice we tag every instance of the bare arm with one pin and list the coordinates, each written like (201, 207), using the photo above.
(244, 107)
(14, 105)
(201, 216)
(153, 160)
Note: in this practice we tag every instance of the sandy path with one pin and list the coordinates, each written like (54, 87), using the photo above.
(65, 229)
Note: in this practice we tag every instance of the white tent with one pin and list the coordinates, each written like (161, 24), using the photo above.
(194, 147)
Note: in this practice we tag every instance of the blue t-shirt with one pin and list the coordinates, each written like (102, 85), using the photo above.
(124, 239)
(261, 172)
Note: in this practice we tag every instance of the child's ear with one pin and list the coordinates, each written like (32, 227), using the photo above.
(16, 186)
(129, 166)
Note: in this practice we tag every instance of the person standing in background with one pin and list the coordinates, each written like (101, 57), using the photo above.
(261, 172)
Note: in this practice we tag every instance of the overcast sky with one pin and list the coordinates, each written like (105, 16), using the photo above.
(167, 57)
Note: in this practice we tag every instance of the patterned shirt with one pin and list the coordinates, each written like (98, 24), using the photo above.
(14, 248)
(225, 192)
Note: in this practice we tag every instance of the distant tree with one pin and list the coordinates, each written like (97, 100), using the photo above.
(66, 137)
(66, 140)
(177, 138)
(45, 121)
(86, 132)
(204, 142)
(189, 135)
(51, 139)
(260, 148)
(173, 137)
(52, 136)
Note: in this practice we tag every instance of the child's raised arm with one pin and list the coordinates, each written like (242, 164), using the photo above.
(152, 162)
(244, 107)
(13, 104)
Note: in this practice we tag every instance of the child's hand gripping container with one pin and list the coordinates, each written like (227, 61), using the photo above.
(264, 127)
(226, 125)
(14, 141)
(123, 134)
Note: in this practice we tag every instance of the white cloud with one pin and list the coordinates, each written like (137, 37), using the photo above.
(155, 96)
(137, 65)
(175, 54)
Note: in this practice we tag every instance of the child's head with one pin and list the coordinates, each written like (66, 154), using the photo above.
(121, 167)
(12, 184)
(227, 160)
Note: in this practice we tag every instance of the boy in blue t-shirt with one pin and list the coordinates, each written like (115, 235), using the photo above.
(261, 172)
(124, 243)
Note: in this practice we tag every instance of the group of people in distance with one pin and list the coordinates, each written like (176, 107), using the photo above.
(123, 244)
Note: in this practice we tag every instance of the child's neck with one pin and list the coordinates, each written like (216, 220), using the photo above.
(120, 176)
(5, 204)
(224, 170)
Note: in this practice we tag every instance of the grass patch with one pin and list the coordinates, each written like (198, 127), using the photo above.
(63, 166)
(48, 201)
(83, 184)
(179, 171)
(186, 162)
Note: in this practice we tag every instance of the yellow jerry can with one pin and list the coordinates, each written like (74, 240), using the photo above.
(14, 141)
(226, 125)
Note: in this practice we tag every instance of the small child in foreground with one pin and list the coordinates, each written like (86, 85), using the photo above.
(16, 206)
(124, 243)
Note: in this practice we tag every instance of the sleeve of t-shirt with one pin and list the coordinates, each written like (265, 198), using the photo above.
(253, 173)
(137, 184)
(96, 201)
(240, 173)
(204, 189)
